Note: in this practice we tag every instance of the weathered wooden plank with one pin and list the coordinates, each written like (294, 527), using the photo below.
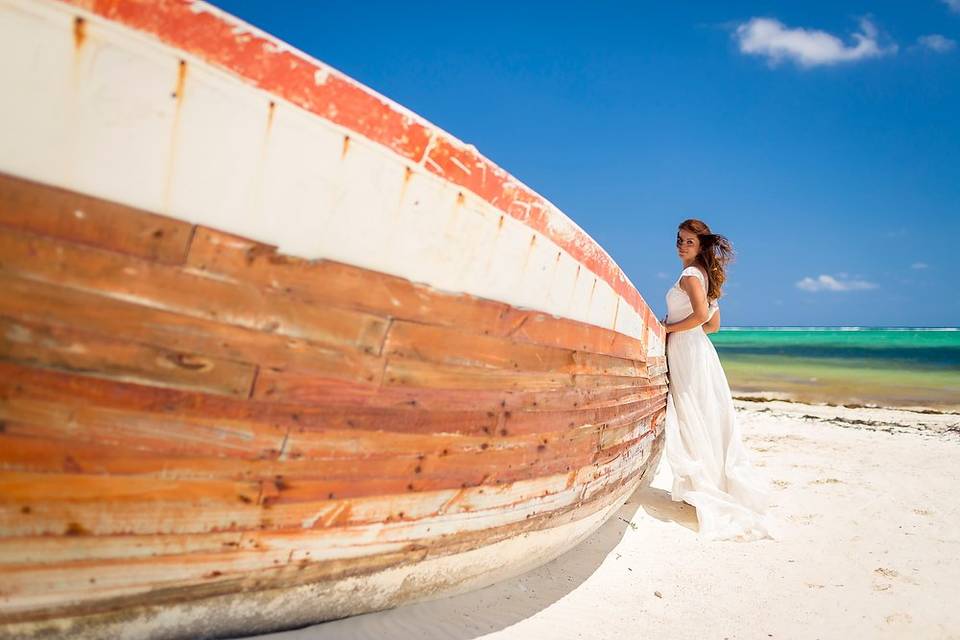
(175, 421)
(540, 328)
(519, 422)
(202, 576)
(356, 523)
(383, 294)
(42, 302)
(406, 510)
(519, 508)
(335, 283)
(281, 558)
(490, 505)
(170, 288)
(401, 476)
(42, 586)
(60, 549)
(552, 457)
(656, 366)
(144, 433)
(86, 504)
(614, 437)
(47, 210)
(28, 448)
(82, 352)
(436, 511)
(134, 415)
(164, 420)
(100, 490)
(454, 346)
(415, 373)
(318, 465)
(72, 425)
(395, 458)
(77, 504)
(308, 390)
(590, 381)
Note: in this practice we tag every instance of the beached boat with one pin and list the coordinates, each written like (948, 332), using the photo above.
(275, 350)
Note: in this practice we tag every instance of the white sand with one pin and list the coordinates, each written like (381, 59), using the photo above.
(869, 498)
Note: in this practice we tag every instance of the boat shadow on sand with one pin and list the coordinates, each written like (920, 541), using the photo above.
(487, 610)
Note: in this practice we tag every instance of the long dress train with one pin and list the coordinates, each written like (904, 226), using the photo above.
(710, 465)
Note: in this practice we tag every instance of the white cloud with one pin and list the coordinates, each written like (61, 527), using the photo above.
(937, 42)
(953, 4)
(808, 47)
(829, 283)
(919, 265)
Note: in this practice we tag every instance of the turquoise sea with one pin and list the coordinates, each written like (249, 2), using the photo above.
(885, 366)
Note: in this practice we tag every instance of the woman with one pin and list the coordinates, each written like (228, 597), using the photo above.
(711, 470)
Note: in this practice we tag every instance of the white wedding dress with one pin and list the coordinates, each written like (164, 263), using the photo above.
(711, 470)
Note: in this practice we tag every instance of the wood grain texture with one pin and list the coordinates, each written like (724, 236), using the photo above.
(261, 562)
(241, 421)
(57, 305)
(83, 219)
(169, 288)
(335, 283)
(44, 345)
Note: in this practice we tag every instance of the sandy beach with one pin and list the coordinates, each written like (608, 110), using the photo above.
(871, 549)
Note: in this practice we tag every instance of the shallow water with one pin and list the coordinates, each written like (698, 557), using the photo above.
(884, 366)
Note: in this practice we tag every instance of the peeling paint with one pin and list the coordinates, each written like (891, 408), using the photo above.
(18, 333)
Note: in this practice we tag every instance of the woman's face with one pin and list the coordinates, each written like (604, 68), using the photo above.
(688, 244)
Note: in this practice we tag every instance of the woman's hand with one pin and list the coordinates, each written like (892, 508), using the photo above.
(665, 325)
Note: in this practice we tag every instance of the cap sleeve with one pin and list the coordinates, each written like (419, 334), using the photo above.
(693, 271)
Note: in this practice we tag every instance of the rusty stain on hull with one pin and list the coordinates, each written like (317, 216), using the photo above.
(270, 110)
(79, 32)
(181, 80)
(178, 95)
(407, 176)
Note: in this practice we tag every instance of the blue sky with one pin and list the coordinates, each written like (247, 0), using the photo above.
(822, 138)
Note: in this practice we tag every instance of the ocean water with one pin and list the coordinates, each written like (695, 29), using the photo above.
(886, 366)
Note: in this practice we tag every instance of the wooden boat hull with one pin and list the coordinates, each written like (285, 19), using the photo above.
(355, 379)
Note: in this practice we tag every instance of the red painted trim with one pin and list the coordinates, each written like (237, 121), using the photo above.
(270, 65)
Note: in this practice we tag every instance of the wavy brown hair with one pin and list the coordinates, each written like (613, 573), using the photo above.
(715, 254)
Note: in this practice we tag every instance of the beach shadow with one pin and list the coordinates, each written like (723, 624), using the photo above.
(487, 610)
(658, 504)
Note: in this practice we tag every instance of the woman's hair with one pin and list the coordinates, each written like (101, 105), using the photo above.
(715, 253)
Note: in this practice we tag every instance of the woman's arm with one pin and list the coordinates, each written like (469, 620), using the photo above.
(713, 324)
(698, 300)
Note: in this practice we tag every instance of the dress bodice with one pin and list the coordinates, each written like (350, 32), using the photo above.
(678, 302)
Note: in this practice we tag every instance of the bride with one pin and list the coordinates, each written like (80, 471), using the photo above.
(711, 470)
